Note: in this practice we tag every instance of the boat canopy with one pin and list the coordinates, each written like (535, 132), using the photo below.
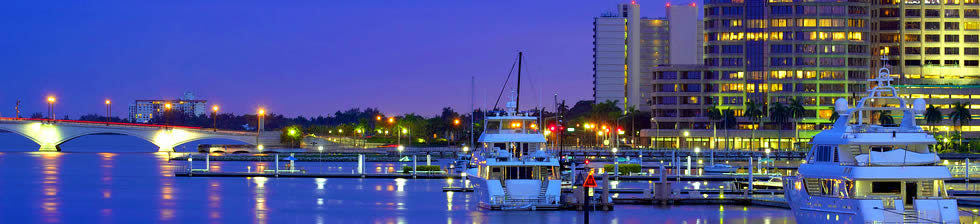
(504, 138)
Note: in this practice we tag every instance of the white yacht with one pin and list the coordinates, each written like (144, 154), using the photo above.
(861, 172)
(513, 169)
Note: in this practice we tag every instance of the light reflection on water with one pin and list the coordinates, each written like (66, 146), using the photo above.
(140, 188)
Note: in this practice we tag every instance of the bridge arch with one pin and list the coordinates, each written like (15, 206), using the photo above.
(50, 135)
(247, 140)
(91, 133)
(21, 134)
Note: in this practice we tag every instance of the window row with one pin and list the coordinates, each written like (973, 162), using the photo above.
(966, 63)
(762, 36)
(951, 38)
(948, 13)
(945, 51)
(930, 25)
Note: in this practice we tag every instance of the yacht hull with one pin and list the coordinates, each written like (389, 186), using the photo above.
(822, 209)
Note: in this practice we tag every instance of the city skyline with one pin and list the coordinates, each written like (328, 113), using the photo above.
(295, 59)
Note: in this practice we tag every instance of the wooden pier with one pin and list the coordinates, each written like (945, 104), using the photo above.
(315, 175)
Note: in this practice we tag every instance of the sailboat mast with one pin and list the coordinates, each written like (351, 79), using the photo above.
(520, 60)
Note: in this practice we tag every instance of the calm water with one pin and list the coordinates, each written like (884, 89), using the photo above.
(86, 187)
(139, 188)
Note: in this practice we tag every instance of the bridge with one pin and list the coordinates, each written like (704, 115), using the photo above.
(50, 134)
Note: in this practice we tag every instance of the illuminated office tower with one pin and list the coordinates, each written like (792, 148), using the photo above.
(763, 51)
(932, 47)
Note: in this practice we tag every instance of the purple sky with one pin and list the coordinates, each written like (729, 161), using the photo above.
(297, 58)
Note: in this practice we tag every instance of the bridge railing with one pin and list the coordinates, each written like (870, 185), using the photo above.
(123, 124)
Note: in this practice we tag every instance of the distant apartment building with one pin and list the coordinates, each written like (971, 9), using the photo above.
(932, 49)
(142, 111)
(626, 46)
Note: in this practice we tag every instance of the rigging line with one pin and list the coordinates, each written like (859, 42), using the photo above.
(505, 85)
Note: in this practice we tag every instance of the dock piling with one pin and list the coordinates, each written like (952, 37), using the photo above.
(751, 176)
(688, 165)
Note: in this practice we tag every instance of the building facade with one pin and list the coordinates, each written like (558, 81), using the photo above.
(627, 46)
(763, 52)
(142, 111)
(932, 47)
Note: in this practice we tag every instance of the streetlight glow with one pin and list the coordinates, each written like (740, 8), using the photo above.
(214, 108)
(262, 111)
(391, 120)
(51, 99)
(107, 102)
(167, 106)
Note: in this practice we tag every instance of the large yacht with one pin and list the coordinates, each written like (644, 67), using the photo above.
(863, 172)
(513, 169)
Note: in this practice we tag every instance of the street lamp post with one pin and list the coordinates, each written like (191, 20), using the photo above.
(261, 118)
(51, 100)
(617, 130)
(214, 114)
(166, 112)
(108, 111)
(455, 129)
(391, 124)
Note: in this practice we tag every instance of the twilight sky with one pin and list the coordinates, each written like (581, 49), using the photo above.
(294, 57)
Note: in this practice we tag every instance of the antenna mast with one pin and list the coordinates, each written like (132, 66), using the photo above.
(520, 60)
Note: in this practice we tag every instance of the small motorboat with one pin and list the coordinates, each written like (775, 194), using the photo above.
(719, 169)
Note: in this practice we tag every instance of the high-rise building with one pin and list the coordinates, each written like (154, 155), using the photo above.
(932, 47)
(627, 46)
(764, 52)
(142, 111)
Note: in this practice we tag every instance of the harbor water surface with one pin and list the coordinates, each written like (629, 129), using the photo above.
(134, 185)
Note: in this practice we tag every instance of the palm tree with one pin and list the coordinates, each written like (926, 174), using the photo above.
(834, 116)
(714, 115)
(779, 113)
(796, 112)
(754, 112)
(729, 120)
(960, 116)
(933, 116)
(885, 118)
